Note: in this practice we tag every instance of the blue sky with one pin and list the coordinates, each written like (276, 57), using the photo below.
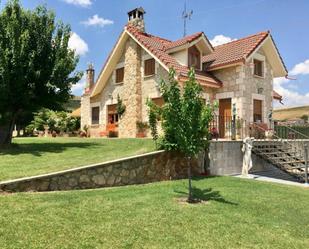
(97, 24)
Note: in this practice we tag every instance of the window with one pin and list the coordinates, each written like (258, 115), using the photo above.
(158, 101)
(257, 110)
(194, 57)
(119, 75)
(149, 67)
(258, 68)
(95, 114)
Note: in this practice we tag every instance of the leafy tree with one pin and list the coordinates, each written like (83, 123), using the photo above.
(185, 119)
(305, 117)
(36, 64)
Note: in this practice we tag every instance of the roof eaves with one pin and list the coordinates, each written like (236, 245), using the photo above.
(226, 64)
(279, 54)
(257, 44)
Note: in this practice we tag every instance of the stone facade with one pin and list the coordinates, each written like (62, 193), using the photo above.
(85, 112)
(150, 167)
(243, 87)
(132, 90)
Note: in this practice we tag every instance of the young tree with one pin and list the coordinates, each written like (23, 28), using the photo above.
(185, 119)
(36, 64)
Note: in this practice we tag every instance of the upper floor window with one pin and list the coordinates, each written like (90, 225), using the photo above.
(149, 67)
(194, 58)
(258, 68)
(119, 75)
(95, 114)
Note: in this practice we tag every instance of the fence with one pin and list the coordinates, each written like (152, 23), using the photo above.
(228, 127)
(293, 132)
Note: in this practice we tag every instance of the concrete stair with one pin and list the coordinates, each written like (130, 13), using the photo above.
(282, 155)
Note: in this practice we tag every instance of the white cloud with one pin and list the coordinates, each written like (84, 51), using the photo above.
(300, 68)
(82, 3)
(77, 89)
(290, 97)
(78, 44)
(220, 39)
(97, 21)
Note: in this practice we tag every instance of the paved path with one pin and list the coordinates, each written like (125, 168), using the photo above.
(275, 177)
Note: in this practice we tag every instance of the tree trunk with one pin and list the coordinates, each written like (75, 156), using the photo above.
(6, 132)
(190, 197)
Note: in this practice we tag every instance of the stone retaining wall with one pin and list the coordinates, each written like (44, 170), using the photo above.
(150, 167)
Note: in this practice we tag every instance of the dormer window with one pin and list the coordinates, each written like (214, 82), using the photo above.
(194, 58)
(258, 68)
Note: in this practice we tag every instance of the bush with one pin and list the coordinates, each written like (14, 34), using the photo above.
(57, 121)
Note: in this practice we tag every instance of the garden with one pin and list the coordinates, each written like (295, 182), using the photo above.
(237, 214)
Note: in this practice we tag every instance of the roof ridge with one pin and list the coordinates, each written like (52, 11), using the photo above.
(243, 38)
(185, 37)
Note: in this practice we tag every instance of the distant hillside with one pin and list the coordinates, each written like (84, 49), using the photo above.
(290, 113)
(72, 104)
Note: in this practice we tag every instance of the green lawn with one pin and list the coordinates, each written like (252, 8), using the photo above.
(239, 214)
(32, 156)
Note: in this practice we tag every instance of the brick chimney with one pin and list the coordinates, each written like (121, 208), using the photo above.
(89, 78)
(136, 18)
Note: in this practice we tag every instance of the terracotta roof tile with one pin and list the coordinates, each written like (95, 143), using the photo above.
(158, 47)
(234, 51)
(184, 40)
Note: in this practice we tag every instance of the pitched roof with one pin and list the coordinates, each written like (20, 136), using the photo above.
(158, 47)
(234, 51)
(184, 40)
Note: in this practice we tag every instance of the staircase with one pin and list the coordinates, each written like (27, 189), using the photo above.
(287, 155)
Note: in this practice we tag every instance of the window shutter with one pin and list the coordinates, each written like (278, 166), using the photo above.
(119, 75)
(149, 67)
(95, 114)
(257, 110)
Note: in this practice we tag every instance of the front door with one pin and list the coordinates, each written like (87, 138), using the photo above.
(225, 117)
(112, 118)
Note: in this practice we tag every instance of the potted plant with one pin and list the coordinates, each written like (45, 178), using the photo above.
(269, 133)
(141, 128)
(214, 133)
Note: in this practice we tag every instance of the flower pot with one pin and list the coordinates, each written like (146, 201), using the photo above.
(269, 134)
(140, 135)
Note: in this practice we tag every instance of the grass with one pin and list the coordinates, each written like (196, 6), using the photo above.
(32, 156)
(290, 113)
(239, 214)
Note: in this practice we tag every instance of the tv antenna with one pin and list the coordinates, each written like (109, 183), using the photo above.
(186, 16)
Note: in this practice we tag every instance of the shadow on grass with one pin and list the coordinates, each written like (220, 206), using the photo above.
(37, 149)
(207, 194)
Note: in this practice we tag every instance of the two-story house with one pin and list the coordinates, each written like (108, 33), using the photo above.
(238, 74)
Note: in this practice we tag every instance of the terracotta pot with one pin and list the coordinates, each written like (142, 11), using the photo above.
(140, 135)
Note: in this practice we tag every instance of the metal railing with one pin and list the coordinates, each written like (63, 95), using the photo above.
(228, 127)
(292, 155)
(264, 134)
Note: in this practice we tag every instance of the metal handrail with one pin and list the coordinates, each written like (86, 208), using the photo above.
(295, 131)
(277, 137)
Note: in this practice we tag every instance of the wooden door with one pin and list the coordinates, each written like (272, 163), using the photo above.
(224, 116)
